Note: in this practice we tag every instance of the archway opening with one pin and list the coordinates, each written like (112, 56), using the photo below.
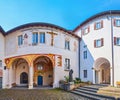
(102, 71)
(19, 72)
(43, 71)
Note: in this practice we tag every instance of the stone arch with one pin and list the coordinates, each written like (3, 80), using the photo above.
(102, 70)
(43, 66)
(19, 66)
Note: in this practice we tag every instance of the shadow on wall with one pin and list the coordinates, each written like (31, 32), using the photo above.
(86, 62)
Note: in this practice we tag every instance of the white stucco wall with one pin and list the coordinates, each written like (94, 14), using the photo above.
(57, 49)
(104, 51)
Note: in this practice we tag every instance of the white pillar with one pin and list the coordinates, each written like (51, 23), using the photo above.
(10, 77)
(30, 77)
(93, 76)
(111, 82)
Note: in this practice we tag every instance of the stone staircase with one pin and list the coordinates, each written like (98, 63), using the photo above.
(110, 91)
(90, 92)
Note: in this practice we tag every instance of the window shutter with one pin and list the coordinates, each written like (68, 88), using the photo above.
(115, 40)
(102, 24)
(88, 29)
(102, 42)
(114, 22)
(82, 31)
(94, 26)
(94, 43)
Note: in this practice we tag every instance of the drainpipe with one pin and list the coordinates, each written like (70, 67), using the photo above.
(112, 45)
(79, 56)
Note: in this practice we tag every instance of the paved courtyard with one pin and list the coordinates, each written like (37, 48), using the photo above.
(37, 94)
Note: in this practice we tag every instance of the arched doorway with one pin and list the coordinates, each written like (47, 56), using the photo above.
(19, 72)
(23, 78)
(102, 71)
(43, 71)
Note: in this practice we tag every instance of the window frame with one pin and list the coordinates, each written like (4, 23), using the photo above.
(98, 25)
(20, 40)
(85, 54)
(67, 64)
(67, 44)
(117, 24)
(101, 43)
(85, 73)
(42, 37)
(35, 38)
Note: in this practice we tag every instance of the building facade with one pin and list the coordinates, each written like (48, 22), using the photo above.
(42, 54)
(99, 48)
(38, 54)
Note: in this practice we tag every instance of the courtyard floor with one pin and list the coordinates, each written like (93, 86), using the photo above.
(37, 94)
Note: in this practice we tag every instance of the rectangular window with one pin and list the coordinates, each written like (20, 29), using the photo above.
(98, 43)
(67, 63)
(85, 73)
(117, 22)
(85, 54)
(116, 40)
(67, 44)
(20, 40)
(35, 38)
(42, 37)
(98, 25)
(0, 63)
(86, 30)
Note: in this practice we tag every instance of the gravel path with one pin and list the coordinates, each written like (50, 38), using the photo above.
(37, 94)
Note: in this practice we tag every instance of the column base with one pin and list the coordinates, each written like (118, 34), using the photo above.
(30, 87)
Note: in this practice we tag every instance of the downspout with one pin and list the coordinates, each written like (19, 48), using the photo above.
(112, 45)
(79, 56)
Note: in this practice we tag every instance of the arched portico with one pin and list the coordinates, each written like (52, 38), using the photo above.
(102, 71)
(34, 65)
(43, 71)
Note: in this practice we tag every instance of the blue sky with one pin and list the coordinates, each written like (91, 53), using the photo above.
(65, 13)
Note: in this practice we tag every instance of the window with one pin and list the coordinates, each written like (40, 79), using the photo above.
(85, 73)
(98, 25)
(98, 43)
(116, 40)
(86, 30)
(0, 63)
(67, 44)
(117, 22)
(42, 37)
(67, 63)
(20, 40)
(85, 54)
(35, 38)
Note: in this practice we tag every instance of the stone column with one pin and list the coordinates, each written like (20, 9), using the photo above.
(93, 76)
(30, 77)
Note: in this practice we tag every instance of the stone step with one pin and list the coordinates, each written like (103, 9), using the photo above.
(92, 87)
(91, 93)
(88, 89)
(110, 91)
(92, 97)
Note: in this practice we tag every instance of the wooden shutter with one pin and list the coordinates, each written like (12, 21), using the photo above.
(114, 22)
(102, 42)
(88, 29)
(94, 26)
(115, 40)
(101, 23)
(82, 31)
(94, 43)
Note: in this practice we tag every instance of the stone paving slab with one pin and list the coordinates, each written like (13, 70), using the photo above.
(38, 94)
